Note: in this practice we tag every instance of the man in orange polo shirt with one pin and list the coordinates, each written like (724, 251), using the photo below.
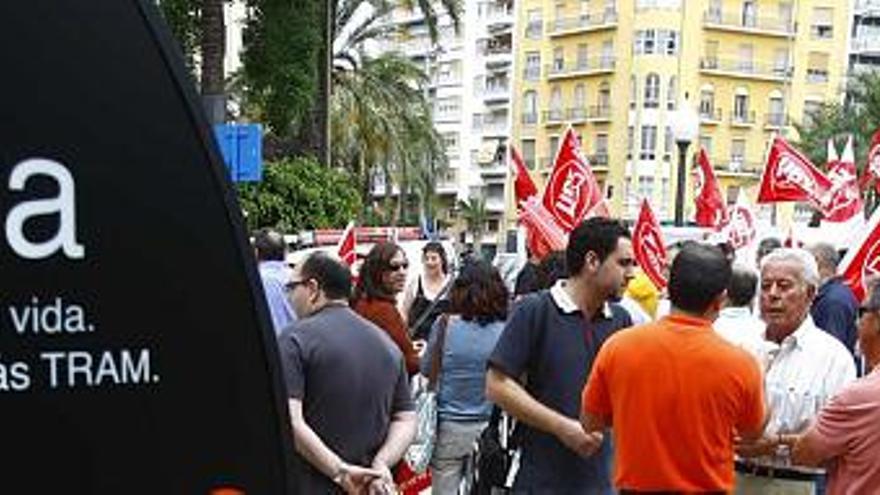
(674, 392)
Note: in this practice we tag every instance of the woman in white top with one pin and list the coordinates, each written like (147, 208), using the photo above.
(421, 292)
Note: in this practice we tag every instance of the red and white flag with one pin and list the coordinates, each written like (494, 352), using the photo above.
(347, 244)
(545, 235)
(648, 246)
(711, 211)
(872, 167)
(739, 230)
(572, 190)
(523, 185)
(862, 260)
(845, 198)
(790, 176)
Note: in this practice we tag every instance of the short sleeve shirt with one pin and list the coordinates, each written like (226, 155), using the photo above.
(549, 343)
(350, 378)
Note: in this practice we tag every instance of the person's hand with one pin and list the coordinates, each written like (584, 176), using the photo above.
(572, 435)
(420, 346)
(755, 448)
(384, 484)
(356, 479)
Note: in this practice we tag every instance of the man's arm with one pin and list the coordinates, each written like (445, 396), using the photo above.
(401, 432)
(315, 451)
(513, 398)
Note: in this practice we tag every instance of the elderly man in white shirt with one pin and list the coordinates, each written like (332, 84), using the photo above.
(804, 366)
(735, 322)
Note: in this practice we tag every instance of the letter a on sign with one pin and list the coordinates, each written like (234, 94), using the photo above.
(115, 203)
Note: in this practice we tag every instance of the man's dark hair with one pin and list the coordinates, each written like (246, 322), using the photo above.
(331, 274)
(699, 274)
(599, 235)
(742, 287)
(551, 269)
(269, 244)
(768, 245)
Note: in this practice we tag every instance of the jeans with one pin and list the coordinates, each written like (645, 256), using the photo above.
(452, 454)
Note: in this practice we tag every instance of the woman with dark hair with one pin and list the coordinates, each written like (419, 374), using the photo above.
(382, 276)
(422, 291)
(477, 310)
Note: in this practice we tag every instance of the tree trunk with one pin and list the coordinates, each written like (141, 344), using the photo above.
(213, 50)
(314, 135)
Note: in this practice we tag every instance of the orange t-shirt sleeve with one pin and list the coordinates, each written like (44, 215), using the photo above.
(753, 413)
(595, 399)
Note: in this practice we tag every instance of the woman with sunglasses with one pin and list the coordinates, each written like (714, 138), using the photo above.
(382, 277)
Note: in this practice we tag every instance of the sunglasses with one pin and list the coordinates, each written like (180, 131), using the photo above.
(393, 267)
(863, 310)
(292, 285)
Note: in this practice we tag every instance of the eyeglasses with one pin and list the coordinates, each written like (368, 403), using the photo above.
(863, 310)
(291, 286)
(393, 267)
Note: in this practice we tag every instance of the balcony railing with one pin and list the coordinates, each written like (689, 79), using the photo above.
(745, 68)
(599, 159)
(529, 118)
(553, 116)
(817, 76)
(532, 73)
(737, 165)
(775, 119)
(866, 44)
(600, 112)
(534, 30)
(742, 119)
(576, 113)
(496, 91)
(561, 68)
(739, 21)
(584, 22)
(711, 116)
(867, 6)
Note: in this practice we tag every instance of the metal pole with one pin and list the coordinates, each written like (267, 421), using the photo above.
(682, 179)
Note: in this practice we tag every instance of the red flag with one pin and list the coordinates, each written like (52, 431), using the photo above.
(544, 233)
(872, 167)
(845, 197)
(790, 176)
(347, 244)
(711, 211)
(522, 184)
(739, 229)
(648, 246)
(572, 190)
(863, 258)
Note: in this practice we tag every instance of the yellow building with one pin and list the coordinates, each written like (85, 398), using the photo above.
(617, 70)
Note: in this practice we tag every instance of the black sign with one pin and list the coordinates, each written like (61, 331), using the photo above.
(136, 354)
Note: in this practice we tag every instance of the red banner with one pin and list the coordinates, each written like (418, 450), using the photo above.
(872, 167)
(790, 176)
(648, 246)
(347, 245)
(545, 235)
(522, 183)
(572, 190)
(845, 199)
(711, 211)
(739, 229)
(863, 258)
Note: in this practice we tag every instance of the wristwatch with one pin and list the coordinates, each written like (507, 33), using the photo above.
(340, 474)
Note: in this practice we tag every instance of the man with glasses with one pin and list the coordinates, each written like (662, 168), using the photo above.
(846, 434)
(804, 367)
(348, 391)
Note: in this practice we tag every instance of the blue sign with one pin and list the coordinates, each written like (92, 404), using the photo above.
(242, 149)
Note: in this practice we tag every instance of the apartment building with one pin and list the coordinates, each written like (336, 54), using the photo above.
(865, 36)
(617, 70)
(471, 90)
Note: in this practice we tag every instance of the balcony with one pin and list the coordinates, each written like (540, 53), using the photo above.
(498, 16)
(867, 8)
(866, 45)
(599, 113)
(584, 67)
(817, 76)
(495, 204)
(775, 120)
(534, 30)
(529, 118)
(496, 93)
(553, 117)
(740, 23)
(746, 119)
(576, 115)
(744, 69)
(600, 159)
(711, 116)
(532, 73)
(583, 23)
(737, 167)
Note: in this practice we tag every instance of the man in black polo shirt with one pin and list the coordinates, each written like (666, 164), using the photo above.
(544, 357)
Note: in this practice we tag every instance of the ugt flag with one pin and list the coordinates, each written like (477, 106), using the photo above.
(648, 246)
(711, 211)
(572, 190)
(862, 261)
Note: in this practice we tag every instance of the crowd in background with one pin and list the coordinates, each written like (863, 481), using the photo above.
(734, 378)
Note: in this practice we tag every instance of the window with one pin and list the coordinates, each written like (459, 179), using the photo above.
(534, 24)
(737, 153)
(706, 144)
(558, 59)
(582, 56)
(667, 141)
(532, 72)
(786, 14)
(649, 142)
(554, 145)
(811, 110)
(645, 42)
(530, 107)
(646, 187)
(633, 90)
(652, 91)
(707, 104)
(776, 115)
(741, 107)
(584, 10)
(607, 61)
(664, 197)
(601, 156)
(780, 61)
(822, 27)
(559, 12)
(671, 94)
(711, 59)
(528, 153)
(604, 100)
(667, 42)
(448, 108)
(450, 141)
(749, 13)
(580, 97)
(746, 52)
(556, 103)
(714, 13)
(817, 68)
(732, 195)
(630, 140)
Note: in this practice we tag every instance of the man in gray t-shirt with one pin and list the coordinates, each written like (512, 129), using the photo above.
(350, 403)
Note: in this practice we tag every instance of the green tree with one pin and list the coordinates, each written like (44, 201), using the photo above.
(299, 194)
(474, 213)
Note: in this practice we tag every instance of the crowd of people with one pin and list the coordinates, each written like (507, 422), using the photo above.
(734, 379)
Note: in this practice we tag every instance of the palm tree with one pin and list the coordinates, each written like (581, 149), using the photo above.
(473, 211)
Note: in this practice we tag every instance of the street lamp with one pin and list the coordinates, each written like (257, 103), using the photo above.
(685, 124)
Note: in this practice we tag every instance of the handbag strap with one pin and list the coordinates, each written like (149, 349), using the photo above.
(427, 313)
(437, 353)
